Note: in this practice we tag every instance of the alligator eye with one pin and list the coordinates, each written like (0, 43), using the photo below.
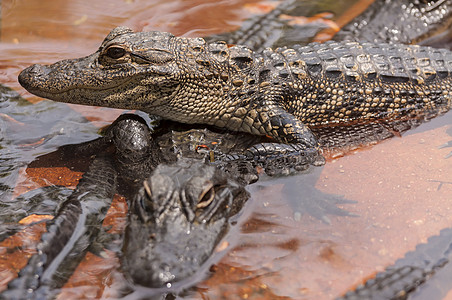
(116, 52)
(206, 196)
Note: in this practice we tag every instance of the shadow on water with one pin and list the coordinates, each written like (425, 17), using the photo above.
(389, 192)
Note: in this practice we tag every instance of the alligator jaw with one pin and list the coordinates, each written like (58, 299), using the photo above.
(77, 84)
(40, 81)
(35, 79)
(57, 80)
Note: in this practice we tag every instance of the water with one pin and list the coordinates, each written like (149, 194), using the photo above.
(401, 188)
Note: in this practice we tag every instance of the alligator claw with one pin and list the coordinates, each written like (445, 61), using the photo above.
(243, 171)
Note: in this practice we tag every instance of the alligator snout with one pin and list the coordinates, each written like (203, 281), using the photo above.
(52, 81)
(31, 77)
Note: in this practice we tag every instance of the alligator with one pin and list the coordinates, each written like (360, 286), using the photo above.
(136, 154)
(174, 200)
(280, 93)
(201, 199)
(150, 220)
(411, 22)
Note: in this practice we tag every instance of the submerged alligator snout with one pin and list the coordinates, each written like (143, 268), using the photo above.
(179, 216)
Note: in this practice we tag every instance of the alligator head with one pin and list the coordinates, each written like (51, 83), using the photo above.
(126, 65)
(177, 219)
(152, 71)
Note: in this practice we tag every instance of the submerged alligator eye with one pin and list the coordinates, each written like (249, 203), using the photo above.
(206, 196)
(116, 52)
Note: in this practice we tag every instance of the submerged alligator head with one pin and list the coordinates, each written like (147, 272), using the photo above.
(177, 219)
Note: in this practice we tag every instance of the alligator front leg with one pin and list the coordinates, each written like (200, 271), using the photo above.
(295, 145)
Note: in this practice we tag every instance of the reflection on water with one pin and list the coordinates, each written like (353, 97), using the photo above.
(282, 251)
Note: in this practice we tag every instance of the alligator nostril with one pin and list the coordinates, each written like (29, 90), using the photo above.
(35, 69)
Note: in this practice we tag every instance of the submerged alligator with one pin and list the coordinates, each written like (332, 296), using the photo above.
(177, 216)
(281, 93)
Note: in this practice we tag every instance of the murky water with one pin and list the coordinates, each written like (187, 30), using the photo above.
(401, 188)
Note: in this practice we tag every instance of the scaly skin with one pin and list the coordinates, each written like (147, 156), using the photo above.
(280, 93)
(392, 21)
(399, 21)
(433, 112)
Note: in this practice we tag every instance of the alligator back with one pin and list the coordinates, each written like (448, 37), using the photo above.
(347, 82)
